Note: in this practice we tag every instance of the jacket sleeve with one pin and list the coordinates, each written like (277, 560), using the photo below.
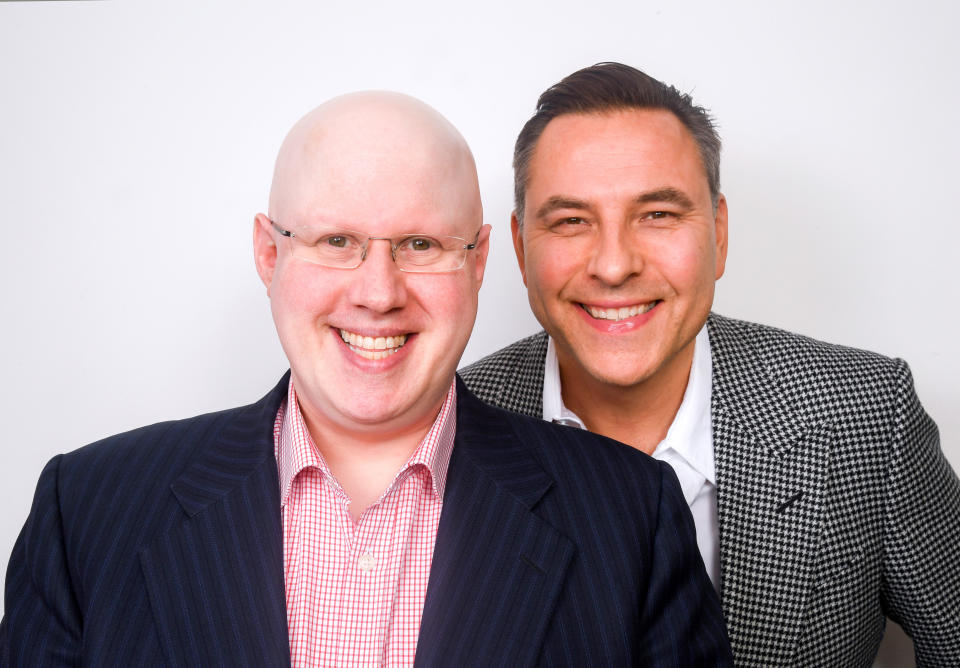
(921, 573)
(681, 617)
(42, 624)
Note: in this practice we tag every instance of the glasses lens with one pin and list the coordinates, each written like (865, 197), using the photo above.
(334, 248)
(423, 253)
(344, 249)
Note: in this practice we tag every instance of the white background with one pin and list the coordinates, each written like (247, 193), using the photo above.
(137, 140)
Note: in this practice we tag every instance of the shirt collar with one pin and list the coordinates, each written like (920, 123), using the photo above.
(690, 436)
(691, 432)
(553, 408)
(295, 449)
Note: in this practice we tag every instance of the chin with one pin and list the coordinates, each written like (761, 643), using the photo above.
(618, 370)
(619, 378)
(371, 412)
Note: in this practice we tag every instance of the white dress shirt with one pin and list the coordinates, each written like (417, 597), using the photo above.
(688, 446)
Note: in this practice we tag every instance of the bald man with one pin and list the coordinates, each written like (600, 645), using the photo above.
(368, 511)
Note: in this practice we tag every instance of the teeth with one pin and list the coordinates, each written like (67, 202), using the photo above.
(373, 348)
(621, 313)
(373, 354)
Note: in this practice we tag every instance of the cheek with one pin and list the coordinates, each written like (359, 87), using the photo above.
(687, 261)
(445, 311)
(462, 302)
(551, 265)
(443, 298)
(297, 294)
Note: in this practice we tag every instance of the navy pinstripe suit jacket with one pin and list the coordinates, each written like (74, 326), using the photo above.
(163, 546)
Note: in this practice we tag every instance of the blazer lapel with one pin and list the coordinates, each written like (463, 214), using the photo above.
(215, 582)
(497, 567)
(772, 472)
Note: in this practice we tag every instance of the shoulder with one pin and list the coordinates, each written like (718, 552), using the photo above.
(586, 468)
(133, 472)
(511, 377)
(732, 337)
(122, 485)
(116, 489)
(602, 493)
(114, 495)
(158, 450)
(504, 362)
(171, 445)
(811, 375)
(578, 448)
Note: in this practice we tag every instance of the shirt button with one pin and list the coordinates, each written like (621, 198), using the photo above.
(367, 562)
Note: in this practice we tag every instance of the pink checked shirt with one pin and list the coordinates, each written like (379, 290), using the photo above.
(355, 592)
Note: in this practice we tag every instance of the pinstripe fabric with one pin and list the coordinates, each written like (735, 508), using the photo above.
(836, 505)
(556, 547)
(161, 546)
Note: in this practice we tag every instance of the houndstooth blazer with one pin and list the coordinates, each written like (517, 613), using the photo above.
(836, 506)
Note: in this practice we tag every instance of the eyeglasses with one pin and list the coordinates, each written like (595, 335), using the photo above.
(346, 249)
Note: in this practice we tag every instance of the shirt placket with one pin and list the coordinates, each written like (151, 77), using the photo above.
(354, 601)
(368, 577)
(335, 633)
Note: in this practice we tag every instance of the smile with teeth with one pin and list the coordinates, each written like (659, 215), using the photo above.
(373, 347)
(621, 313)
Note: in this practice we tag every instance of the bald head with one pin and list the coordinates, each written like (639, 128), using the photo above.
(373, 349)
(376, 152)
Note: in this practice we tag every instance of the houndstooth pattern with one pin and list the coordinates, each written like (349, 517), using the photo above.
(836, 506)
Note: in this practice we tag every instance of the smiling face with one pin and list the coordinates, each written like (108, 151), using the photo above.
(372, 350)
(620, 245)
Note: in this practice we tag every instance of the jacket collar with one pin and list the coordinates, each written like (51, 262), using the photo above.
(237, 452)
(772, 473)
(215, 582)
(216, 585)
(496, 565)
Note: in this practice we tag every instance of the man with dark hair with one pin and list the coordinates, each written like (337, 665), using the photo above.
(822, 501)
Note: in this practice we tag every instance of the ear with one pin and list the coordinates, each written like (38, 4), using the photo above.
(481, 251)
(720, 224)
(264, 249)
(517, 231)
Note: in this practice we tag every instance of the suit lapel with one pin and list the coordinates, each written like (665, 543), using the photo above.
(215, 582)
(497, 567)
(772, 472)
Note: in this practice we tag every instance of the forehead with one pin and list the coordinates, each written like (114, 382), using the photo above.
(631, 149)
(377, 178)
(372, 194)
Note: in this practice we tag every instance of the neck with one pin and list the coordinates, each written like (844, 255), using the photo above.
(640, 414)
(365, 462)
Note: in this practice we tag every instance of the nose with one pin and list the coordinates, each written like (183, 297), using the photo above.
(615, 256)
(379, 285)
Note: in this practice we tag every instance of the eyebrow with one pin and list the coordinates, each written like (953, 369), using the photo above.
(665, 195)
(556, 202)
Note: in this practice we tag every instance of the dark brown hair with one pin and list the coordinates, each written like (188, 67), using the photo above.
(608, 87)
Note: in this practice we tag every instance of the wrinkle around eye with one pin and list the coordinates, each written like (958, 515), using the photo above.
(661, 217)
(569, 226)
